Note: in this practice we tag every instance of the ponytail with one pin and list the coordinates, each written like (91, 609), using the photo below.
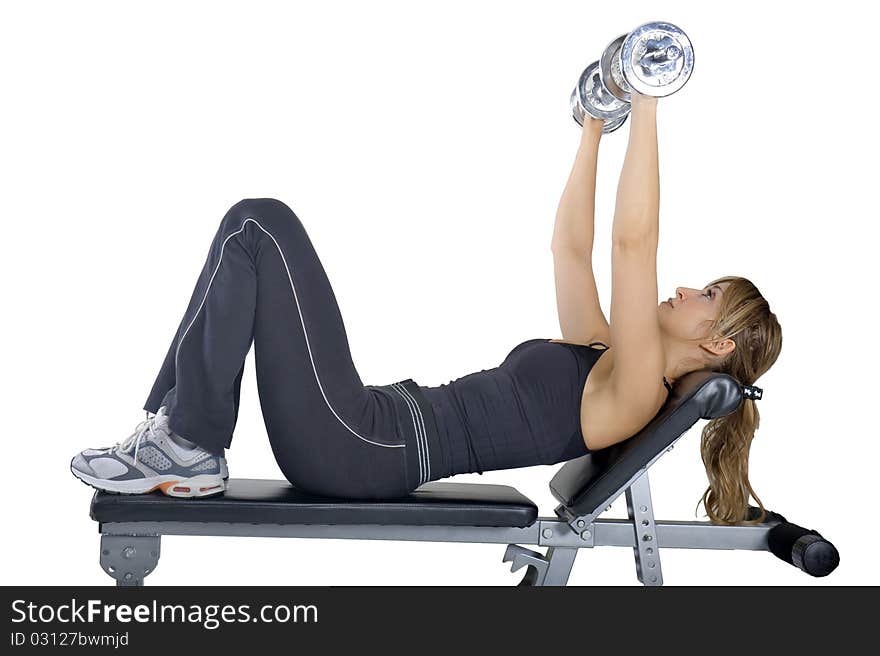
(724, 447)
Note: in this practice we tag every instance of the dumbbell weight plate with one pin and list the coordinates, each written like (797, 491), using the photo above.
(657, 59)
(612, 75)
(595, 98)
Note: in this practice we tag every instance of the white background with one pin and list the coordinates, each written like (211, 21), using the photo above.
(432, 138)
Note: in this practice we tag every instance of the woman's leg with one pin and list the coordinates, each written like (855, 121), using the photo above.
(263, 282)
(199, 382)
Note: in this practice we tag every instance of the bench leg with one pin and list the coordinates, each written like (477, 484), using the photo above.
(646, 549)
(129, 558)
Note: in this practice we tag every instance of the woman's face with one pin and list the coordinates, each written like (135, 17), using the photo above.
(691, 312)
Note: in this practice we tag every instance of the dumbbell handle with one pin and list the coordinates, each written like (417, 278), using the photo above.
(664, 54)
(804, 548)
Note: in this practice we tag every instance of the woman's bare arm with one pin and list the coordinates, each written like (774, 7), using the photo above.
(573, 229)
(636, 214)
(577, 300)
(636, 380)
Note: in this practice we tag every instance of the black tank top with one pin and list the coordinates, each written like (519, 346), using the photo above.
(524, 412)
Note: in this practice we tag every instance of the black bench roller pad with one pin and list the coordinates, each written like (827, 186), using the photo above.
(254, 501)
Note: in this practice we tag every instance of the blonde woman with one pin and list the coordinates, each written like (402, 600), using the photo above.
(549, 401)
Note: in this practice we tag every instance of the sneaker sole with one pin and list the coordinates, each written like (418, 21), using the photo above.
(203, 485)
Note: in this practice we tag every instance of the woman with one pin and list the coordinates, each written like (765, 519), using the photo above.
(549, 401)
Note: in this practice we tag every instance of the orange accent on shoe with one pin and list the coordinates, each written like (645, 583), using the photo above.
(164, 486)
(180, 488)
(205, 489)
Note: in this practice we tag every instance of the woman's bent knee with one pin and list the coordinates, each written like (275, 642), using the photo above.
(258, 208)
(268, 212)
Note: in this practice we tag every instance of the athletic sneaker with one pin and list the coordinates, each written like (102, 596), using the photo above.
(151, 458)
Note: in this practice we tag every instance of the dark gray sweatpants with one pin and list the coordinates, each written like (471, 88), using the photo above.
(264, 284)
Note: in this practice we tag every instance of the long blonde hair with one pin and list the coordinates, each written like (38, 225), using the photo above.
(744, 317)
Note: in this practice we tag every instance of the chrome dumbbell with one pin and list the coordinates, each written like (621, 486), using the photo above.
(655, 59)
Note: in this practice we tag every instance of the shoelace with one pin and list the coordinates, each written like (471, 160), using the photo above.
(146, 427)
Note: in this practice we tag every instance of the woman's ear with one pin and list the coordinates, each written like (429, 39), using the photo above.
(721, 347)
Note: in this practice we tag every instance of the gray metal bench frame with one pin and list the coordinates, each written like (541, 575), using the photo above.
(130, 549)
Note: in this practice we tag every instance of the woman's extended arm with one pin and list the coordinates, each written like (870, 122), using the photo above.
(637, 374)
(577, 300)
(636, 214)
(573, 229)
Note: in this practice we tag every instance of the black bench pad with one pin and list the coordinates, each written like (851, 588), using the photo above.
(256, 501)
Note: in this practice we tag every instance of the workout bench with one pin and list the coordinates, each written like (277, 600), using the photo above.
(131, 526)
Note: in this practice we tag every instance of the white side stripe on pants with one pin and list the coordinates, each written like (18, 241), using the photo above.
(415, 432)
(302, 321)
(421, 434)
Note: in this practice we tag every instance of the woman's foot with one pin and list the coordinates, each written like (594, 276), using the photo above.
(153, 458)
